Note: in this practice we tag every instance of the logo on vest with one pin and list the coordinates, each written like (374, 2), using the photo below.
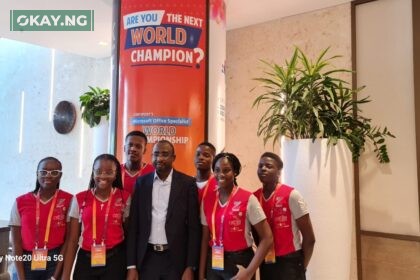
(278, 201)
(236, 206)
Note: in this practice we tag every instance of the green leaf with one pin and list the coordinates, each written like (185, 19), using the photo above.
(94, 104)
(306, 98)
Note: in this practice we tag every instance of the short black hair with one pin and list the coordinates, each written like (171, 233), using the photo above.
(37, 185)
(233, 160)
(136, 133)
(208, 144)
(275, 157)
(118, 178)
(164, 141)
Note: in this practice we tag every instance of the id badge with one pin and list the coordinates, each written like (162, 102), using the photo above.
(98, 255)
(39, 259)
(217, 257)
(271, 255)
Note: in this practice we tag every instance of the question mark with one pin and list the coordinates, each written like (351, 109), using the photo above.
(199, 58)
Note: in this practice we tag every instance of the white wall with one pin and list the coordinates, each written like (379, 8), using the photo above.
(27, 68)
(273, 41)
(388, 193)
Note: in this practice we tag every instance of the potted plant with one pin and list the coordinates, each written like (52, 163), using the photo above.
(94, 105)
(307, 100)
(310, 103)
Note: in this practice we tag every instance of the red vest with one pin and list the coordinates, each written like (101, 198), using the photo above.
(26, 206)
(129, 181)
(279, 218)
(233, 231)
(209, 189)
(114, 233)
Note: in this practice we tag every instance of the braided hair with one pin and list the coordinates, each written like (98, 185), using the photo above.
(118, 178)
(233, 161)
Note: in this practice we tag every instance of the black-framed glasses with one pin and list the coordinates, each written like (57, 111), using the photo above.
(106, 173)
(52, 173)
(162, 154)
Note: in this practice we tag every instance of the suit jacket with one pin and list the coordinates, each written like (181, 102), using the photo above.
(183, 229)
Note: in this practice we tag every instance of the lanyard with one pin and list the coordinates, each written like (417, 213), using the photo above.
(108, 206)
(206, 187)
(213, 216)
(48, 226)
(271, 205)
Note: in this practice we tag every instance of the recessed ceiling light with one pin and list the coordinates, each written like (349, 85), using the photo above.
(102, 43)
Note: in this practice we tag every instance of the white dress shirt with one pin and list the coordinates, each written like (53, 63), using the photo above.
(160, 200)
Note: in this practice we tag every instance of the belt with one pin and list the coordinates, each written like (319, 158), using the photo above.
(240, 252)
(158, 247)
(296, 254)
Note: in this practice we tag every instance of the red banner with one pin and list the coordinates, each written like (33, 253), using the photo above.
(162, 64)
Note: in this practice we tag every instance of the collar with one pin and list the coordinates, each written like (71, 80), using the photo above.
(168, 179)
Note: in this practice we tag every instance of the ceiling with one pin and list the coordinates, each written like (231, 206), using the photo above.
(96, 43)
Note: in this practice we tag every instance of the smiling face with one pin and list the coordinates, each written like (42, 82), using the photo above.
(104, 173)
(49, 174)
(203, 158)
(268, 171)
(224, 174)
(134, 148)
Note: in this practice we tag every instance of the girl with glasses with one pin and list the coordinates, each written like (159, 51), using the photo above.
(98, 216)
(38, 224)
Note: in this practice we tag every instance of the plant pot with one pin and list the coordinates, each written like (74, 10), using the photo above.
(324, 176)
(100, 138)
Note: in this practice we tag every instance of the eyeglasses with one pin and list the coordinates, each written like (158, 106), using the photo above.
(162, 155)
(106, 173)
(52, 173)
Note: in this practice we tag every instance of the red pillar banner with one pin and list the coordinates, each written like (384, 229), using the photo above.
(162, 81)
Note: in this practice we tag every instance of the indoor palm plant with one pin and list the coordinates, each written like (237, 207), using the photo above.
(306, 99)
(94, 105)
(310, 104)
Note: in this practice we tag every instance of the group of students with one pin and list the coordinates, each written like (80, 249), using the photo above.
(138, 220)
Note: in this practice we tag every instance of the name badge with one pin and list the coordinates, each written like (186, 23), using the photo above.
(217, 257)
(271, 255)
(39, 259)
(98, 255)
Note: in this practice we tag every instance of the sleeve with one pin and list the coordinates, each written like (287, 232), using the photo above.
(194, 228)
(14, 216)
(133, 224)
(202, 215)
(127, 208)
(74, 209)
(254, 211)
(297, 205)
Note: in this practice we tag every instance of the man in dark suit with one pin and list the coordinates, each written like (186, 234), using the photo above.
(164, 229)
